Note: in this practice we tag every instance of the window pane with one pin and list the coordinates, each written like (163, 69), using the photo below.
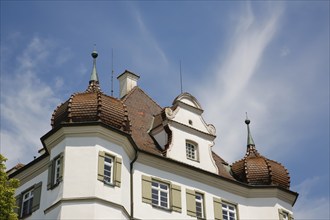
(229, 212)
(163, 204)
(160, 194)
(162, 186)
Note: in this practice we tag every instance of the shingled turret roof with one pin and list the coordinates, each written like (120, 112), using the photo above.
(255, 169)
(92, 106)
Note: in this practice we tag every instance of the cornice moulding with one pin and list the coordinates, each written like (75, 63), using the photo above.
(89, 131)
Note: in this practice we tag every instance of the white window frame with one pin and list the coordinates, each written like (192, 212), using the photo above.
(229, 211)
(108, 168)
(57, 170)
(158, 191)
(199, 198)
(29, 201)
(191, 151)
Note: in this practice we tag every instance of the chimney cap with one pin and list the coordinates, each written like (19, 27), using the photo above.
(128, 72)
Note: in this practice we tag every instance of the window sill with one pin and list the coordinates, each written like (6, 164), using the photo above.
(162, 208)
(25, 216)
(54, 186)
(109, 184)
(195, 160)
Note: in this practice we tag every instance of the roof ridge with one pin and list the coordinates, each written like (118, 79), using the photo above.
(138, 88)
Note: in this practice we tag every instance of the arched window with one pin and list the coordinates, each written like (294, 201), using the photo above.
(191, 150)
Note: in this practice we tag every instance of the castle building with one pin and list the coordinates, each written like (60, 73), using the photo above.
(129, 158)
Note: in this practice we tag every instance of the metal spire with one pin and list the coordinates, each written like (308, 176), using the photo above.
(94, 80)
(94, 76)
(250, 141)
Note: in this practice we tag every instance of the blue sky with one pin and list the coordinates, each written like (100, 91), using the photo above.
(270, 59)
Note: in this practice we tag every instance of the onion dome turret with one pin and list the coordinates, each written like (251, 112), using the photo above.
(92, 106)
(255, 169)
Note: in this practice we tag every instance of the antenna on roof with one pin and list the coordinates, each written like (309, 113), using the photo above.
(180, 77)
(112, 72)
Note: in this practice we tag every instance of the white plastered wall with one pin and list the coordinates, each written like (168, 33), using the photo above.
(248, 208)
(177, 150)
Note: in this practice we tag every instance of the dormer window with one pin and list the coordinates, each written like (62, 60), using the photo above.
(191, 151)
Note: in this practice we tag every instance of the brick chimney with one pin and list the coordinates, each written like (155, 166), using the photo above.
(127, 81)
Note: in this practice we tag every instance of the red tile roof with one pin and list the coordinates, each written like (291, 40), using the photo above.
(255, 169)
(92, 106)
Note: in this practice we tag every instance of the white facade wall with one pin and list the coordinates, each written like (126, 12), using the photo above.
(81, 196)
(184, 115)
(177, 150)
(247, 208)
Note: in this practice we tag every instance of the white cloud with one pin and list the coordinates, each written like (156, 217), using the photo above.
(146, 34)
(26, 104)
(229, 96)
(308, 205)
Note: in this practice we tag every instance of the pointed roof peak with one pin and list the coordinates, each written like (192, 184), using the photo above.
(250, 141)
(94, 76)
(94, 80)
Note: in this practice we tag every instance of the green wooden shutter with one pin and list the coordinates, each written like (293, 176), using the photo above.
(146, 189)
(36, 196)
(61, 167)
(100, 175)
(176, 197)
(50, 175)
(118, 171)
(191, 202)
(217, 208)
(17, 209)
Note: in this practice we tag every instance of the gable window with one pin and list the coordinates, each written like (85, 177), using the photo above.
(191, 151)
(195, 204)
(55, 171)
(162, 194)
(228, 211)
(28, 201)
(109, 169)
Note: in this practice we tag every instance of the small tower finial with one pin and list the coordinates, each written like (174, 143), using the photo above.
(94, 76)
(250, 141)
(94, 80)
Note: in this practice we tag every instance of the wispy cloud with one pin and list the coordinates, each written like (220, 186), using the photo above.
(227, 97)
(309, 206)
(146, 34)
(26, 103)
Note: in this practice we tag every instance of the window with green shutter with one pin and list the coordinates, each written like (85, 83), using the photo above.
(28, 201)
(176, 198)
(200, 210)
(229, 211)
(55, 171)
(109, 169)
(191, 203)
(195, 204)
(217, 206)
(161, 194)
